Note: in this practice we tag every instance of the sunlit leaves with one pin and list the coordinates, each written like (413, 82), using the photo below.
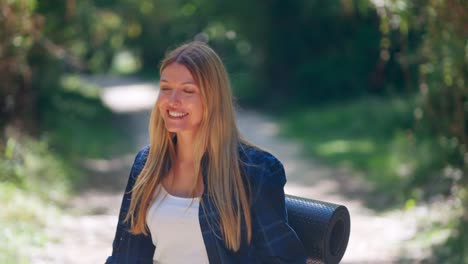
(125, 62)
(146, 7)
(133, 30)
(188, 9)
(442, 60)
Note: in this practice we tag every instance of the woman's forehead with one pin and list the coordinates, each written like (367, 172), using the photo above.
(177, 73)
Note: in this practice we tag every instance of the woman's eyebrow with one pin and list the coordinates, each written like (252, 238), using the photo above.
(187, 82)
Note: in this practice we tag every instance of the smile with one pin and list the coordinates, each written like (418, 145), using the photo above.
(176, 114)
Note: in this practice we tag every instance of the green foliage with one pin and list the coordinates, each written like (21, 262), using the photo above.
(23, 217)
(31, 166)
(405, 163)
(303, 51)
(33, 180)
(83, 35)
(77, 124)
(455, 248)
(319, 56)
(324, 51)
(19, 29)
(375, 136)
(442, 61)
(278, 53)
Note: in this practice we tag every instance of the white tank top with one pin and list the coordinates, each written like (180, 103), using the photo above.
(175, 230)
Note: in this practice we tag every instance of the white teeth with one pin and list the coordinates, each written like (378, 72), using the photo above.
(176, 114)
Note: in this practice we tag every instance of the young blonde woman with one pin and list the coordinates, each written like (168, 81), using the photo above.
(199, 193)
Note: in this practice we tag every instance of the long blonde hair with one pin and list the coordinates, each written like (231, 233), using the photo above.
(217, 143)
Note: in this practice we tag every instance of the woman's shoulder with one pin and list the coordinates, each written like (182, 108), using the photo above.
(141, 157)
(260, 165)
(250, 153)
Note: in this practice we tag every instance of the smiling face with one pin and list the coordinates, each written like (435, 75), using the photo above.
(179, 101)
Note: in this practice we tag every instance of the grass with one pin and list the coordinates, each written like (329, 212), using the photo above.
(23, 217)
(78, 125)
(384, 140)
(38, 175)
(375, 136)
(33, 186)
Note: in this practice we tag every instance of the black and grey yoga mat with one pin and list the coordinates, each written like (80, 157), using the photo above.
(322, 227)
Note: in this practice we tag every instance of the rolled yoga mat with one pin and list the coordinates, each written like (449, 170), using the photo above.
(322, 227)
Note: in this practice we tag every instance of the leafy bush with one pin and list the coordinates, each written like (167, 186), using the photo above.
(442, 62)
(376, 136)
(33, 183)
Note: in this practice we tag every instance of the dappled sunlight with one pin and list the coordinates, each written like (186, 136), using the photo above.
(268, 128)
(260, 130)
(124, 94)
(369, 95)
(89, 246)
(373, 238)
(108, 165)
(322, 186)
(94, 210)
(130, 98)
(73, 83)
(341, 146)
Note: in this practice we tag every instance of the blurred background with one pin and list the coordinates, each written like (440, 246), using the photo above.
(365, 102)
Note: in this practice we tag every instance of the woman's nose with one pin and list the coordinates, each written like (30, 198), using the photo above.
(174, 99)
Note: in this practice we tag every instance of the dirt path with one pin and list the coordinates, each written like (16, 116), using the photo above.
(85, 234)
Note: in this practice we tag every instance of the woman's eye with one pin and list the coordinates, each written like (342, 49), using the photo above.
(189, 91)
(165, 88)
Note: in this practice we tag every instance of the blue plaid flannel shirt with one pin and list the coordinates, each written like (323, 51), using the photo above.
(273, 240)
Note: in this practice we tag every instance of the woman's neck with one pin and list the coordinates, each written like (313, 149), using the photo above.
(181, 178)
(184, 148)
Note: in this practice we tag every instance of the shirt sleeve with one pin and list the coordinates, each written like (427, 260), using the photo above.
(128, 248)
(122, 227)
(274, 240)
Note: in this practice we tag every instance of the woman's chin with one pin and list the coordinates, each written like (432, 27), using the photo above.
(174, 129)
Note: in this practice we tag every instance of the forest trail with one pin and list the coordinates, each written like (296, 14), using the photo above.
(85, 233)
